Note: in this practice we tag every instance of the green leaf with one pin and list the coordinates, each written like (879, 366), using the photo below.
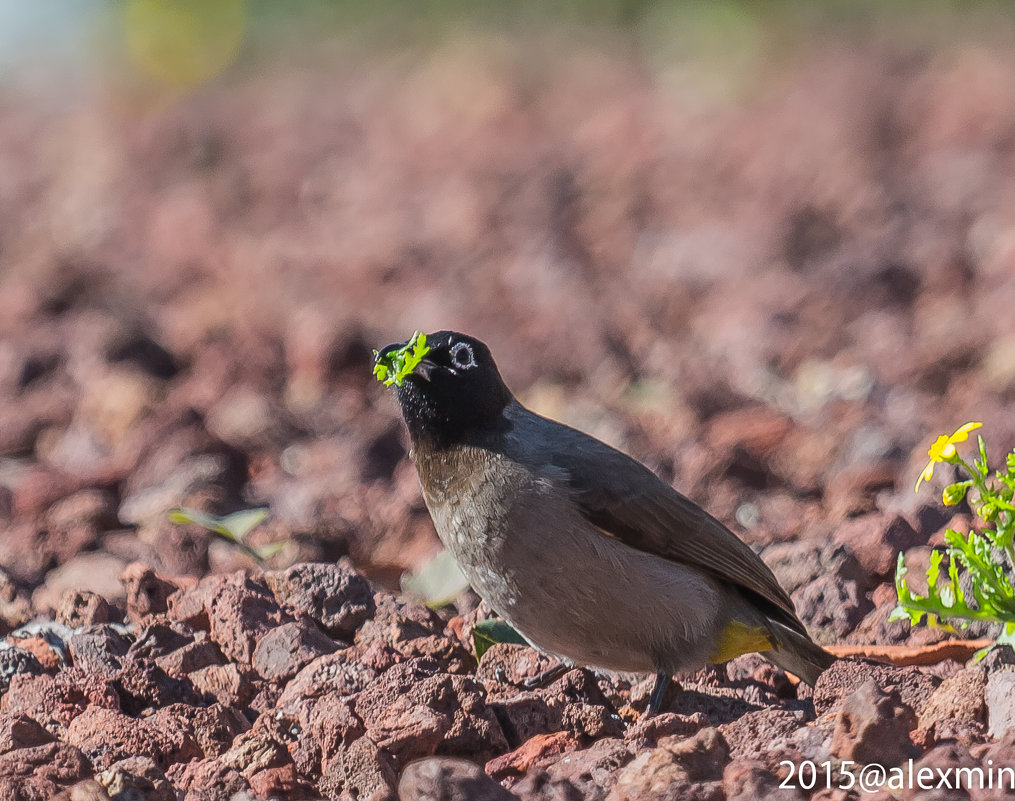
(233, 527)
(265, 552)
(492, 631)
(900, 612)
(183, 516)
(393, 367)
(439, 582)
(935, 567)
(241, 523)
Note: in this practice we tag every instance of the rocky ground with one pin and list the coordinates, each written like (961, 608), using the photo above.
(774, 281)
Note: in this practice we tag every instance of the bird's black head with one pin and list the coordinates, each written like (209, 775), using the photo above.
(455, 394)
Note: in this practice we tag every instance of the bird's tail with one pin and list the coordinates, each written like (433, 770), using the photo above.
(798, 654)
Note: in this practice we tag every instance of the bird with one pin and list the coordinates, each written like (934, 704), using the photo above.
(586, 552)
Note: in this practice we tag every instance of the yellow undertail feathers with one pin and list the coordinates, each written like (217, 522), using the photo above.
(738, 638)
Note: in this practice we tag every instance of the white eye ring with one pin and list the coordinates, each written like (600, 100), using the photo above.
(462, 356)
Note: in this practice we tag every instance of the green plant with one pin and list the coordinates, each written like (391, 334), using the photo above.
(492, 631)
(234, 528)
(392, 368)
(975, 583)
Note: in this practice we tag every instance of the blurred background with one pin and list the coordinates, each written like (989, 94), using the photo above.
(769, 249)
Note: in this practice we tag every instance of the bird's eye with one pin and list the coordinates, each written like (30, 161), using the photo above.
(462, 356)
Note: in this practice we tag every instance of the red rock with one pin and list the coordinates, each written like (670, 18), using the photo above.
(239, 615)
(189, 481)
(190, 657)
(42, 648)
(177, 551)
(147, 593)
(191, 604)
(396, 621)
(60, 763)
(20, 731)
(136, 777)
(335, 596)
(230, 685)
(87, 572)
(1000, 701)
(79, 608)
(15, 606)
(574, 702)
(449, 779)
(647, 731)
(54, 701)
(360, 771)
(93, 506)
(831, 603)
(506, 665)
(412, 711)
(343, 672)
(585, 773)
(255, 750)
(141, 684)
(315, 729)
(583, 707)
(873, 726)
(957, 710)
(446, 650)
(16, 661)
(85, 790)
(266, 698)
(702, 755)
(915, 686)
(284, 650)
(748, 780)
(876, 540)
(877, 627)
(677, 769)
(851, 491)
(24, 555)
(213, 727)
(799, 563)
(947, 758)
(524, 716)
(753, 735)
(206, 780)
(159, 637)
(536, 749)
(280, 782)
(753, 670)
(107, 736)
(655, 774)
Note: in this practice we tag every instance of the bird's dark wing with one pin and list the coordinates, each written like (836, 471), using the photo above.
(626, 500)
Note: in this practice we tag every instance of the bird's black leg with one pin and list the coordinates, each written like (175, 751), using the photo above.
(655, 701)
(548, 676)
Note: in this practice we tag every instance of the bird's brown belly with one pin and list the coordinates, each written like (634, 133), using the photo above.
(604, 604)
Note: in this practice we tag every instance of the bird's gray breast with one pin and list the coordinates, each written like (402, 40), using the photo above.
(478, 501)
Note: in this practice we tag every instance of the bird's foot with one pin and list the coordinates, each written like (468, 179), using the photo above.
(659, 693)
(548, 676)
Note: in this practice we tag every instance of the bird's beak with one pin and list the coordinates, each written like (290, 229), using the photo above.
(423, 369)
(388, 349)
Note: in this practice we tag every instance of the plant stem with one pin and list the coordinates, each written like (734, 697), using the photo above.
(987, 494)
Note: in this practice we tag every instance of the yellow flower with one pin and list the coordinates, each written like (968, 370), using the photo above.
(943, 450)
